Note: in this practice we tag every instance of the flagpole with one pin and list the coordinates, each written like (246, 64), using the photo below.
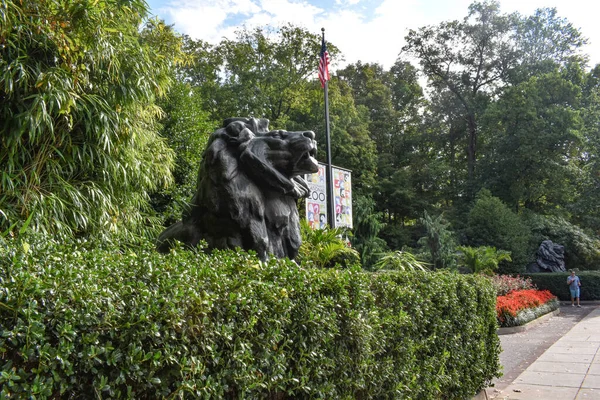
(329, 171)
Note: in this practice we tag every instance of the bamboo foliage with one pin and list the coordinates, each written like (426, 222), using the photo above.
(79, 143)
(400, 261)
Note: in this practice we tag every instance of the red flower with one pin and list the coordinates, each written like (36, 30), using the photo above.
(517, 300)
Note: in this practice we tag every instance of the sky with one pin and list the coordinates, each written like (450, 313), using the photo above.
(364, 30)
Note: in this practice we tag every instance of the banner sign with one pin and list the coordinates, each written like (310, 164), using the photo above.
(316, 203)
(342, 193)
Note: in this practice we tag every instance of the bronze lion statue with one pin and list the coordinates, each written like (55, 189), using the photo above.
(249, 182)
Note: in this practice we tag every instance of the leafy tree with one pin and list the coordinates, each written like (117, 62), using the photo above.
(398, 196)
(392, 99)
(438, 241)
(407, 93)
(79, 143)
(203, 74)
(370, 90)
(535, 140)
(586, 208)
(266, 71)
(543, 40)
(469, 64)
(492, 223)
(441, 157)
(470, 59)
(367, 225)
(186, 127)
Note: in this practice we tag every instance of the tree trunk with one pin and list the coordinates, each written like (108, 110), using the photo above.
(471, 151)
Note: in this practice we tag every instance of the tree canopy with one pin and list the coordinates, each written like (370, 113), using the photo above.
(104, 114)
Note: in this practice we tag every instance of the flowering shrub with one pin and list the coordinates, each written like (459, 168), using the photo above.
(509, 305)
(504, 284)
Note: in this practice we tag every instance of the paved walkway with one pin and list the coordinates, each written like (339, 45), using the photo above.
(568, 367)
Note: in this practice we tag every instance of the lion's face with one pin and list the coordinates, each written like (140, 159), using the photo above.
(291, 153)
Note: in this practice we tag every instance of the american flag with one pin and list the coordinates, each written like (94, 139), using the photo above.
(323, 63)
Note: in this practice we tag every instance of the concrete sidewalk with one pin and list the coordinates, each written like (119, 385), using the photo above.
(567, 370)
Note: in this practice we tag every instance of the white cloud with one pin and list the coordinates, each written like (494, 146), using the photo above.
(208, 19)
(347, 2)
(379, 39)
(204, 19)
(284, 11)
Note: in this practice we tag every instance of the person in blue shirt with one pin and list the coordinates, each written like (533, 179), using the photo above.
(574, 284)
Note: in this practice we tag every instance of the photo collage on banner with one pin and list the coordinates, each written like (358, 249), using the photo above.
(316, 203)
(342, 193)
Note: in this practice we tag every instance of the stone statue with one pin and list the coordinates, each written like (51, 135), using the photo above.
(550, 258)
(249, 182)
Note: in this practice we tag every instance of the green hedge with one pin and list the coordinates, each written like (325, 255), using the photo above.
(78, 321)
(556, 283)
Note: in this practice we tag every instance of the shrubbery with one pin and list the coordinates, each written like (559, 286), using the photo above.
(325, 248)
(504, 284)
(484, 259)
(519, 301)
(81, 321)
(492, 223)
(557, 284)
(529, 314)
(521, 306)
(582, 251)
